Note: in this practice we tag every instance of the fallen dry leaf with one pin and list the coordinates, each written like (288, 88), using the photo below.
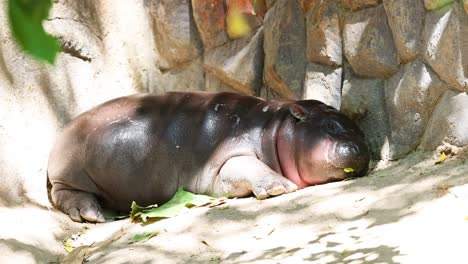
(264, 233)
(80, 254)
(442, 158)
(74, 241)
(442, 189)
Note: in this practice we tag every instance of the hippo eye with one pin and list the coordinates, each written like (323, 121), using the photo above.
(332, 127)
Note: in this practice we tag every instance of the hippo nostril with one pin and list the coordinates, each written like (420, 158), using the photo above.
(354, 149)
(348, 149)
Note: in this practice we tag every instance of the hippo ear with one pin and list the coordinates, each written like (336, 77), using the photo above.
(298, 112)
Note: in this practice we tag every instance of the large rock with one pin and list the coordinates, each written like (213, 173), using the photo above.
(436, 4)
(176, 36)
(269, 94)
(358, 4)
(368, 43)
(363, 100)
(410, 97)
(209, 15)
(260, 8)
(239, 63)
(269, 3)
(445, 44)
(284, 48)
(189, 77)
(324, 84)
(448, 122)
(214, 84)
(324, 43)
(306, 5)
(405, 18)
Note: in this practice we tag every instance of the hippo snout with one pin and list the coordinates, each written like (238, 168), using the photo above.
(347, 150)
(353, 155)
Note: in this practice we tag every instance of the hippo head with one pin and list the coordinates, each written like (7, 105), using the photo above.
(323, 145)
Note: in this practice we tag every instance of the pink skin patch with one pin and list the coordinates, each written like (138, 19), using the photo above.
(288, 162)
(302, 172)
(314, 168)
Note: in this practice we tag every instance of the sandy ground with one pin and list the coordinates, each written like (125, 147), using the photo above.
(409, 211)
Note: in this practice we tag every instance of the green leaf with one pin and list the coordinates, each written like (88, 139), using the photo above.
(348, 170)
(144, 236)
(139, 211)
(215, 260)
(181, 201)
(114, 215)
(26, 18)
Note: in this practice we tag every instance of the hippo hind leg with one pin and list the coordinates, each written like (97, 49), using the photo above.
(78, 205)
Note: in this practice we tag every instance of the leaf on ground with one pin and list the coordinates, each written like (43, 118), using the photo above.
(348, 170)
(67, 246)
(138, 211)
(113, 215)
(264, 232)
(77, 240)
(83, 252)
(441, 158)
(216, 202)
(181, 202)
(215, 260)
(143, 236)
(71, 243)
(26, 18)
(358, 200)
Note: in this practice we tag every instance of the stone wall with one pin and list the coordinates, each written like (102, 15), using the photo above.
(397, 67)
(385, 63)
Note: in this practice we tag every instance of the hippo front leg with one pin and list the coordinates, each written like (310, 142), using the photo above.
(241, 176)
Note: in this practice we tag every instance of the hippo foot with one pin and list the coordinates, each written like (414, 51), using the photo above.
(244, 175)
(80, 206)
(271, 185)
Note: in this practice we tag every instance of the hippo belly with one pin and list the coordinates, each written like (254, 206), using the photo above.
(144, 147)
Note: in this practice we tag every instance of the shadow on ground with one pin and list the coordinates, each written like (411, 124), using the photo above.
(367, 220)
(375, 219)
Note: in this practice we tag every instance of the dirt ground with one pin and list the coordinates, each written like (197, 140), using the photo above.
(409, 211)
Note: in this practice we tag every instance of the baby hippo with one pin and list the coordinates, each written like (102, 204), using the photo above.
(144, 147)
